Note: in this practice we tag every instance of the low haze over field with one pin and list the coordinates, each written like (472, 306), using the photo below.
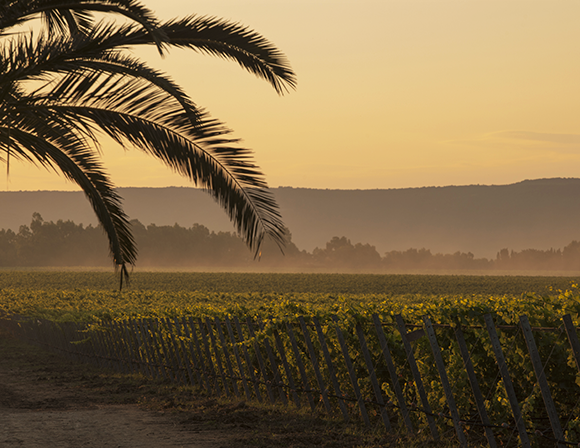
(391, 94)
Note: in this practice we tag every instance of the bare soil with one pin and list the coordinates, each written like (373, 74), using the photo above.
(47, 401)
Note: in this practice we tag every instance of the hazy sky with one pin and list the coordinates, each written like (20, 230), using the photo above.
(390, 94)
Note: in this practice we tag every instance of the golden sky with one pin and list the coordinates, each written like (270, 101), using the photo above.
(391, 94)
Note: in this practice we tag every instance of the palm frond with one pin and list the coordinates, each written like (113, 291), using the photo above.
(221, 38)
(59, 92)
(78, 164)
(82, 59)
(226, 172)
(69, 17)
(141, 111)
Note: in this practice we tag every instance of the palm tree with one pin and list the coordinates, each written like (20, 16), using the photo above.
(61, 87)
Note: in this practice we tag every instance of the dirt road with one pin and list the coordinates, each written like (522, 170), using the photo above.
(48, 402)
(106, 426)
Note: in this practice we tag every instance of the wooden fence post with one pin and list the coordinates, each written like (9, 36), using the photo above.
(282, 352)
(480, 403)
(133, 347)
(444, 380)
(204, 371)
(185, 352)
(393, 373)
(301, 369)
(541, 376)
(417, 376)
(130, 335)
(314, 360)
(238, 359)
(172, 371)
(175, 354)
(151, 332)
(149, 361)
(153, 363)
(220, 333)
(115, 351)
(134, 363)
(97, 349)
(261, 362)
(105, 349)
(197, 368)
(251, 372)
(218, 360)
(108, 346)
(209, 360)
(277, 379)
(69, 338)
(72, 337)
(373, 378)
(573, 338)
(507, 381)
(124, 351)
(331, 370)
(351, 372)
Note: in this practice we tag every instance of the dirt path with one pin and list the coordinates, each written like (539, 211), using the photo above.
(48, 402)
(108, 426)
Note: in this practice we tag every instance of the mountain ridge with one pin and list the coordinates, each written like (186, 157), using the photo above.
(482, 219)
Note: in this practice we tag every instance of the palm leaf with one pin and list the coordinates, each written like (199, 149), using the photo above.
(58, 93)
(69, 17)
(78, 164)
(221, 38)
(203, 153)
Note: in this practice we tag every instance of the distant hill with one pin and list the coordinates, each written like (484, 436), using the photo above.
(539, 214)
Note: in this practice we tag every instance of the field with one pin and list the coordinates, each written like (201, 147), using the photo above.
(164, 305)
(391, 285)
(89, 295)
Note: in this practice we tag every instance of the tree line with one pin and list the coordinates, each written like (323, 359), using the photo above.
(64, 243)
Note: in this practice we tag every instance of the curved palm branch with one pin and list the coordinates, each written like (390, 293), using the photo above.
(216, 37)
(225, 39)
(149, 112)
(45, 139)
(70, 17)
(87, 84)
(137, 112)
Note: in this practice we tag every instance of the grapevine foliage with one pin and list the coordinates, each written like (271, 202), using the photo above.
(274, 313)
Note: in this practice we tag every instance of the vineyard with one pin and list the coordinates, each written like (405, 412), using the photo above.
(414, 354)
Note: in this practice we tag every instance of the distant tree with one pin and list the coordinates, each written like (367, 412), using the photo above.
(503, 258)
(271, 256)
(8, 248)
(63, 243)
(63, 83)
(536, 259)
(409, 259)
(424, 259)
(571, 256)
(341, 253)
(195, 246)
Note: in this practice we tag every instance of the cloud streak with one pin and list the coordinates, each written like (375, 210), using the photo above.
(544, 137)
(564, 143)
